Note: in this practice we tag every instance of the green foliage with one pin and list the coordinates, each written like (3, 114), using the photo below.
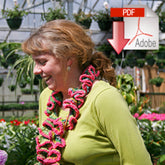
(24, 70)
(15, 13)
(131, 60)
(17, 106)
(29, 91)
(22, 64)
(107, 50)
(12, 87)
(10, 53)
(140, 63)
(103, 19)
(151, 59)
(83, 19)
(18, 140)
(54, 14)
(102, 15)
(151, 128)
(125, 84)
(156, 81)
(154, 138)
(141, 106)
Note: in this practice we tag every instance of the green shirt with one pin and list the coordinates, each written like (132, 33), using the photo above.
(106, 133)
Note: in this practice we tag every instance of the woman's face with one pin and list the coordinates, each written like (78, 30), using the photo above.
(52, 70)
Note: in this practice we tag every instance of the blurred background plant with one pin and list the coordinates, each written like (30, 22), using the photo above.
(17, 138)
(125, 84)
(157, 81)
(83, 19)
(151, 122)
(54, 14)
(152, 127)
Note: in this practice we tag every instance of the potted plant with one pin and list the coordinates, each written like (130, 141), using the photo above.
(156, 81)
(29, 91)
(12, 87)
(140, 63)
(150, 58)
(5, 58)
(103, 19)
(131, 60)
(160, 63)
(54, 14)
(1, 81)
(83, 19)
(14, 17)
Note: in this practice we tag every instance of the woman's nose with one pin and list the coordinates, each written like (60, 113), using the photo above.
(37, 70)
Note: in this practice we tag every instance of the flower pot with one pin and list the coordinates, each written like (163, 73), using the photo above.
(104, 25)
(12, 88)
(140, 63)
(22, 84)
(162, 26)
(156, 81)
(1, 81)
(86, 23)
(158, 84)
(14, 23)
(150, 59)
(160, 64)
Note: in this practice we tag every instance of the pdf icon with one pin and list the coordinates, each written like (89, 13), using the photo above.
(128, 12)
(143, 32)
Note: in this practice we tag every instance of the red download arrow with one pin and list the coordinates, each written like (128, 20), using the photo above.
(118, 42)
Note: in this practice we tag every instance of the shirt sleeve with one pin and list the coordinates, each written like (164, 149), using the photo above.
(121, 128)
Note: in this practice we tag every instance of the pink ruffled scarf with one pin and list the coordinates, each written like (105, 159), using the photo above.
(51, 139)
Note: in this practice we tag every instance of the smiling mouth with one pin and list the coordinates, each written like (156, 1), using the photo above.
(46, 79)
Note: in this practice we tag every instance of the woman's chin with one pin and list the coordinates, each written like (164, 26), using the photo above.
(51, 87)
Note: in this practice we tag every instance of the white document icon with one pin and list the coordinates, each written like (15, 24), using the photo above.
(143, 32)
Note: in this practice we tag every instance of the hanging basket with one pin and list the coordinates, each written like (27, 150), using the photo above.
(104, 25)
(1, 81)
(156, 81)
(14, 23)
(86, 23)
(162, 26)
(140, 63)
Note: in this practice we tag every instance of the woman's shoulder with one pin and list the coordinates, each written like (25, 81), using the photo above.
(103, 87)
(45, 93)
(104, 91)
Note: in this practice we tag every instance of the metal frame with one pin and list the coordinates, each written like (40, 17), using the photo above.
(82, 6)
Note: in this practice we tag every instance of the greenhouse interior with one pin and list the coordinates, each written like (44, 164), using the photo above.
(140, 72)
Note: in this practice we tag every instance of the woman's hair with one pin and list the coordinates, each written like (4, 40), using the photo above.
(64, 38)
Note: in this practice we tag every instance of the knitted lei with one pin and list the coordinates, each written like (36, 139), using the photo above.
(51, 139)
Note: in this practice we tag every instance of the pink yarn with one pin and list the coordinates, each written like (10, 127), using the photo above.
(51, 134)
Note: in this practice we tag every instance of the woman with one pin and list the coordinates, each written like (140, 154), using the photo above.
(83, 118)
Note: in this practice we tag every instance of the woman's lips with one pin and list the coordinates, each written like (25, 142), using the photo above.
(46, 79)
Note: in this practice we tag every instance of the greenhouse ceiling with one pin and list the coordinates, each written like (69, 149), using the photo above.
(36, 7)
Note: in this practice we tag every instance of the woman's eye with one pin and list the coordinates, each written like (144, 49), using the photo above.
(42, 62)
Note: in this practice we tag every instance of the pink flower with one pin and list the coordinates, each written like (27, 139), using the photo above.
(151, 117)
(136, 115)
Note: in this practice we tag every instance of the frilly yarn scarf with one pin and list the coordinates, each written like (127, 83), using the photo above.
(51, 139)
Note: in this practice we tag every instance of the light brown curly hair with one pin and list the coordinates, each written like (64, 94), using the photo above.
(65, 38)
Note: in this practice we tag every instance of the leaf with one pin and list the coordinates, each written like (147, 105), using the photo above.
(162, 159)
